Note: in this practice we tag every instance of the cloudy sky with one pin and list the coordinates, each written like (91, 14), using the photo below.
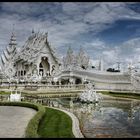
(106, 30)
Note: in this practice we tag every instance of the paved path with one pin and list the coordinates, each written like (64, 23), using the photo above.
(14, 120)
(75, 123)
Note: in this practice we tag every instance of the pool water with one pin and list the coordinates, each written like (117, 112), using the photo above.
(110, 118)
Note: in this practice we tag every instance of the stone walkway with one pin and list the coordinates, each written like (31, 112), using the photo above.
(14, 120)
(75, 123)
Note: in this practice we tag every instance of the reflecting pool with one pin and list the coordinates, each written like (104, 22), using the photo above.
(110, 118)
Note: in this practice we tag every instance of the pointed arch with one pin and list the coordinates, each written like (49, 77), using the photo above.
(44, 66)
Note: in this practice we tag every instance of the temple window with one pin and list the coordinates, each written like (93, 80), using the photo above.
(41, 71)
(21, 73)
(40, 65)
(24, 72)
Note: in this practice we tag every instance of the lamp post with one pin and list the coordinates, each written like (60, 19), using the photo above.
(16, 83)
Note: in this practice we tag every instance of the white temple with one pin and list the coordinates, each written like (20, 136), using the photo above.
(36, 60)
(7, 58)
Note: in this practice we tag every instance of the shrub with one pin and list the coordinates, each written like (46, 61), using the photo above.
(32, 128)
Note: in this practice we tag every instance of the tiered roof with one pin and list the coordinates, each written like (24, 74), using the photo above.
(10, 51)
(33, 47)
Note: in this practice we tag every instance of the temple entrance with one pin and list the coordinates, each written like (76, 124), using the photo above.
(44, 67)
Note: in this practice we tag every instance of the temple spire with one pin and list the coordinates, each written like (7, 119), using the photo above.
(13, 30)
(69, 51)
(33, 31)
(82, 58)
(13, 42)
(101, 68)
(10, 50)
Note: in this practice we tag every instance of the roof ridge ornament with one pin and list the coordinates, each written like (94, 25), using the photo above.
(33, 31)
(13, 30)
(46, 34)
(13, 37)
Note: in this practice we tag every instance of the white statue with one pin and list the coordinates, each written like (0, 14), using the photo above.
(90, 95)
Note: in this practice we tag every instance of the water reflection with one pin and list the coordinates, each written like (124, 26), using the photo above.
(115, 118)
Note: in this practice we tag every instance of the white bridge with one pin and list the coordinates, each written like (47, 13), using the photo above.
(104, 80)
(110, 77)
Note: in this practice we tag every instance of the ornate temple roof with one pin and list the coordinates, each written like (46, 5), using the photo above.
(72, 60)
(33, 47)
(10, 51)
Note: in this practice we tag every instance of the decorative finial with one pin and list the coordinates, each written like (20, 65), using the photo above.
(33, 31)
(46, 33)
(13, 29)
(13, 37)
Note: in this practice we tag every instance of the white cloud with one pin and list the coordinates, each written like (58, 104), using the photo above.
(96, 44)
(27, 8)
(71, 21)
(110, 56)
(96, 13)
(125, 53)
(130, 50)
(110, 12)
(77, 8)
(94, 62)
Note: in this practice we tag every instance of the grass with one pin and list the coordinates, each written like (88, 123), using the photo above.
(4, 92)
(55, 124)
(47, 122)
(122, 94)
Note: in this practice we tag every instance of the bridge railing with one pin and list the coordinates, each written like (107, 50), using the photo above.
(73, 86)
(42, 86)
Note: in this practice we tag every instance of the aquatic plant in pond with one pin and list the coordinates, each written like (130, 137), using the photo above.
(89, 95)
